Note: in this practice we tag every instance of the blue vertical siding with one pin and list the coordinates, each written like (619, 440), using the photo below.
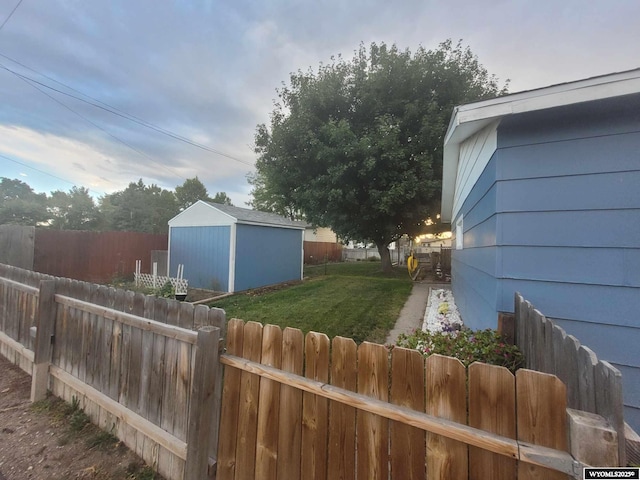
(204, 252)
(266, 256)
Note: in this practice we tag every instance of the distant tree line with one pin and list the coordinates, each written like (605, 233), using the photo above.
(137, 208)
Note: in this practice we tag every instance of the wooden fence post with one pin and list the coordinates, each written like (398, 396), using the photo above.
(45, 322)
(202, 403)
(592, 440)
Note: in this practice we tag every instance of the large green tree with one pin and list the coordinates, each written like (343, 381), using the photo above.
(190, 192)
(20, 205)
(139, 208)
(73, 210)
(357, 145)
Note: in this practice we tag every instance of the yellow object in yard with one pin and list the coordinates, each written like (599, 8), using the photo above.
(413, 266)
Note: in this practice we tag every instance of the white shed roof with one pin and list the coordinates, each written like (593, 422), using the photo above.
(209, 214)
(469, 119)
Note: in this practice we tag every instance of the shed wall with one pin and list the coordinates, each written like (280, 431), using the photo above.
(204, 252)
(266, 256)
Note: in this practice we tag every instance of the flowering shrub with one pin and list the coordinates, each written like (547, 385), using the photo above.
(466, 345)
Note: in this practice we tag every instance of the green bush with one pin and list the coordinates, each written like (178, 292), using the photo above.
(468, 346)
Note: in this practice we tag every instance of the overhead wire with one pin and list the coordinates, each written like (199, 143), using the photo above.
(115, 111)
(10, 15)
(29, 82)
(47, 173)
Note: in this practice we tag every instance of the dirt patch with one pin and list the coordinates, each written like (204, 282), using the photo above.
(52, 439)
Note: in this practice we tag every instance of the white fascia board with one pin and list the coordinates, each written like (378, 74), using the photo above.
(471, 118)
(232, 258)
(202, 214)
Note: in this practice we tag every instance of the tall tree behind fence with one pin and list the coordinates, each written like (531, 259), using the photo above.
(592, 385)
(302, 408)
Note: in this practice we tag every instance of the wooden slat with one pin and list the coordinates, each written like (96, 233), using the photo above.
(201, 408)
(226, 466)
(315, 409)
(248, 413)
(446, 391)
(170, 374)
(587, 361)
(372, 432)
(407, 450)
(570, 367)
(156, 384)
(492, 408)
(42, 351)
(542, 407)
(342, 418)
(183, 374)
(608, 380)
(290, 416)
(268, 409)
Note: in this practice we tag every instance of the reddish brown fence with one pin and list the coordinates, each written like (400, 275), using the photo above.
(319, 252)
(93, 256)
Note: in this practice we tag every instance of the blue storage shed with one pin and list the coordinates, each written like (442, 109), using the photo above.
(230, 249)
(542, 189)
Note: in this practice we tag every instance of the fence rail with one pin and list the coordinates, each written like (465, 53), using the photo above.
(592, 385)
(343, 411)
(291, 406)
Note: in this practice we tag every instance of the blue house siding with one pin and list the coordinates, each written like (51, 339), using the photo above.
(568, 204)
(473, 268)
(266, 256)
(204, 252)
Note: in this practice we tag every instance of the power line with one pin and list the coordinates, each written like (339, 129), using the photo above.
(47, 173)
(10, 15)
(115, 111)
(28, 82)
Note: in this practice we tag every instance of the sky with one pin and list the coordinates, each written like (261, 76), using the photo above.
(207, 72)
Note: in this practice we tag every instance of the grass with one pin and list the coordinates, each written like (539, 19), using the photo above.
(355, 300)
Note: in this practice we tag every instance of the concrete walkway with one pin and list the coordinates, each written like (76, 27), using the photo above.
(412, 314)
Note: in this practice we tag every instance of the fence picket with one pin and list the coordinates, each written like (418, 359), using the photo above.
(268, 409)
(407, 450)
(226, 467)
(446, 391)
(492, 408)
(290, 416)
(608, 381)
(372, 434)
(315, 409)
(248, 413)
(342, 418)
(570, 365)
(542, 407)
(587, 361)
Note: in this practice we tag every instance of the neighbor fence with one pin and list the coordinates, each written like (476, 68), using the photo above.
(593, 385)
(320, 252)
(82, 255)
(291, 407)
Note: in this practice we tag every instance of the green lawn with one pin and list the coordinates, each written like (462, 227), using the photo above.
(354, 300)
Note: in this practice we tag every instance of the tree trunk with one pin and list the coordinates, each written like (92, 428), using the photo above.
(385, 257)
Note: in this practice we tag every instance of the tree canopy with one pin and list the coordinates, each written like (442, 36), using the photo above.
(357, 145)
(137, 208)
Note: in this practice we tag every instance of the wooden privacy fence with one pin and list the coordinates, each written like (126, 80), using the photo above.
(126, 357)
(320, 252)
(300, 408)
(592, 385)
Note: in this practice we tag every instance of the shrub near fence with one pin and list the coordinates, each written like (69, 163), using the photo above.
(136, 372)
